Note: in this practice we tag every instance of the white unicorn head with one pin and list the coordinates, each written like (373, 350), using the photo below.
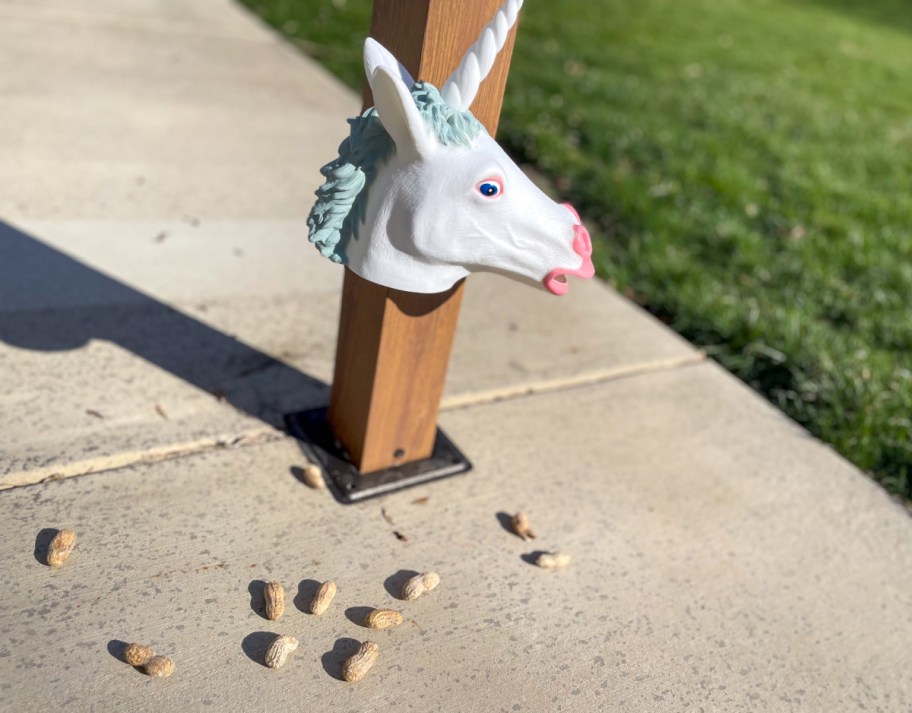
(421, 195)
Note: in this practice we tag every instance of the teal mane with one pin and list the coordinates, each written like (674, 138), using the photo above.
(342, 199)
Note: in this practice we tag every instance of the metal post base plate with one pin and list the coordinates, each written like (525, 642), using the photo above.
(312, 429)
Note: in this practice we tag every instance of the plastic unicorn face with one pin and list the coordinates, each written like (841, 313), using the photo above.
(431, 197)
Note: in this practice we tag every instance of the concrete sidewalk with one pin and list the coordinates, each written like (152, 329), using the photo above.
(160, 310)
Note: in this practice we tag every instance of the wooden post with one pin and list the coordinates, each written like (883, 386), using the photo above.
(393, 346)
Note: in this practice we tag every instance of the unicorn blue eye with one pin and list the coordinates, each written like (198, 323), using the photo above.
(490, 188)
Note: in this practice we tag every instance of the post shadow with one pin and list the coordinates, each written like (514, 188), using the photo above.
(52, 302)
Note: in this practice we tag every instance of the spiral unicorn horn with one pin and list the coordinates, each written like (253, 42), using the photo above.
(460, 89)
(420, 195)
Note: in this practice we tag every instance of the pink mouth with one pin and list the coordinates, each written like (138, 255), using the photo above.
(556, 280)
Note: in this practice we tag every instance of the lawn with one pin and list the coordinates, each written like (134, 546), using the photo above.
(746, 169)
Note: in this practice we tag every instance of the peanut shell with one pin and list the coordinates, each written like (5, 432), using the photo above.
(60, 547)
(159, 667)
(382, 619)
(137, 654)
(419, 584)
(430, 580)
(278, 651)
(323, 597)
(553, 560)
(521, 527)
(274, 595)
(360, 663)
(313, 476)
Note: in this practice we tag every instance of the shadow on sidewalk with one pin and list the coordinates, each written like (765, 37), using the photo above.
(51, 302)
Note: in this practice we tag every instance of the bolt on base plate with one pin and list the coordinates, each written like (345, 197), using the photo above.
(316, 438)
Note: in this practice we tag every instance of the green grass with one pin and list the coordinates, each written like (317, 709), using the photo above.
(746, 168)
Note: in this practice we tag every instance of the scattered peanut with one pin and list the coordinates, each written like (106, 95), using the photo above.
(137, 654)
(313, 476)
(382, 619)
(322, 598)
(360, 663)
(413, 589)
(552, 560)
(275, 600)
(60, 547)
(419, 584)
(278, 651)
(159, 667)
(521, 526)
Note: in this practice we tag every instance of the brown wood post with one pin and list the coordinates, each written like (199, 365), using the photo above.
(393, 346)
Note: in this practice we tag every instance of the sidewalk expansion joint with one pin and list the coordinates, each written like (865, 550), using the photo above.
(268, 434)
(567, 383)
(117, 461)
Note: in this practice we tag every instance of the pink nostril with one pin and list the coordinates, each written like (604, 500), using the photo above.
(573, 211)
(582, 243)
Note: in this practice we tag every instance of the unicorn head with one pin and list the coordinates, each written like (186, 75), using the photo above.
(421, 195)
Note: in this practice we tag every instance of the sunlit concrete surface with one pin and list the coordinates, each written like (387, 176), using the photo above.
(161, 310)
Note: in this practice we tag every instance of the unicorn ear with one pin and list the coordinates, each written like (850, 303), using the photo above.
(399, 115)
(376, 55)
